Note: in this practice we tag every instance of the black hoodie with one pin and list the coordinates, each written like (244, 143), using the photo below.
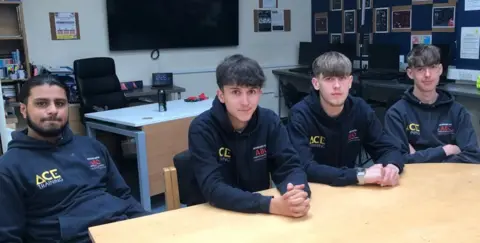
(429, 127)
(329, 146)
(54, 192)
(232, 166)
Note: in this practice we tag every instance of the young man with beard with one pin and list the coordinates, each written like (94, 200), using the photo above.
(329, 127)
(54, 185)
(236, 145)
(428, 124)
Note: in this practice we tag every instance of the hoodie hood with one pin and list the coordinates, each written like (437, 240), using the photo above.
(444, 98)
(20, 139)
(313, 102)
(220, 115)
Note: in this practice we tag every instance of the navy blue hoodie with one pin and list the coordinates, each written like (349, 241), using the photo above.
(329, 146)
(54, 192)
(429, 127)
(232, 166)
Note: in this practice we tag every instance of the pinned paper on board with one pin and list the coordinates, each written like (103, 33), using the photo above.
(420, 39)
(472, 5)
(470, 43)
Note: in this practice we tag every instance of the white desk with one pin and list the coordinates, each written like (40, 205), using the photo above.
(158, 136)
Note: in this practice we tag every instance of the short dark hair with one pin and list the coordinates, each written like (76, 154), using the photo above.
(240, 70)
(38, 81)
(424, 56)
(332, 64)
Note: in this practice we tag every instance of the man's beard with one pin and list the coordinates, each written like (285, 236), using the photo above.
(47, 133)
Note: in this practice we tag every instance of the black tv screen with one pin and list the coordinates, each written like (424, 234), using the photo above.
(166, 24)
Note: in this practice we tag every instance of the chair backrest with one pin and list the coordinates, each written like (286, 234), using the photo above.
(189, 190)
(291, 95)
(98, 85)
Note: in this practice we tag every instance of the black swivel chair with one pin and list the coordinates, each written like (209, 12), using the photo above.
(291, 96)
(98, 85)
(181, 184)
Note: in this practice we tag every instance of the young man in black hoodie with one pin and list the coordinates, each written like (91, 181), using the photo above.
(428, 124)
(329, 127)
(237, 144)
(54, 185)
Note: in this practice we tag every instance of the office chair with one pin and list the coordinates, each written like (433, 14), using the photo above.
(291, 96)
(98, 85)
(180, 183)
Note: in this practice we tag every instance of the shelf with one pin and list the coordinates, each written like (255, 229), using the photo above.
(10, 2)
(2, 38)
(4, 81)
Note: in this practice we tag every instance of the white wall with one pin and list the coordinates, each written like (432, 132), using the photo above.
(193, 68)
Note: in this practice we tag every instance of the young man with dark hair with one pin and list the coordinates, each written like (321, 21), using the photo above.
(329, 127)
(54, 185)
(237, 145)
(428, 124)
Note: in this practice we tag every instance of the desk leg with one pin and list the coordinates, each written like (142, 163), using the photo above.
(90, 131)
(143, 171)
(279, 99)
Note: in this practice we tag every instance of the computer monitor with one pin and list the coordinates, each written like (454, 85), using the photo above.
(305, 53)
(349, 50)
(308, 52)
(384, 56)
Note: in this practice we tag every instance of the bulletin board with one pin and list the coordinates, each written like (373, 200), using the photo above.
(400, 20)
(465, 19)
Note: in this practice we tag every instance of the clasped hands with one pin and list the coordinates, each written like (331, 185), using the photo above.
(294, 203)
(383, 176)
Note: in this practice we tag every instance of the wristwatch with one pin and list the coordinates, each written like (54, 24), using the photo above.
(361, 176)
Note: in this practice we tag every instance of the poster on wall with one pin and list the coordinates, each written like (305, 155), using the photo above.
(470, 43)
(381, 20)
(401, 20)
(368, 4)
(443, 17)
(64, 26)
(349, 21)
(336, 38)
(472, 5)
(264, 20)
(420, 39)
(336, 5)
(278, 20)
(321, 23)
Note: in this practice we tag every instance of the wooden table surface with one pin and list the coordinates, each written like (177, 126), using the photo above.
(433, 203)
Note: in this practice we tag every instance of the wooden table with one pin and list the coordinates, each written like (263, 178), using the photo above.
(433, 203)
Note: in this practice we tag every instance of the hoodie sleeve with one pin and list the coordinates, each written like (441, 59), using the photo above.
(287, 167)
(395, 126)
(316, 171)
(116, 186)
(12, 211)
(380, 145)
(466, 140)
(208, 172)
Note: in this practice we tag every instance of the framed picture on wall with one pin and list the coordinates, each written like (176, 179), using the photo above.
(401, 19)
(321, 23)
(349, 21)
(368, 4)
(336, 38)
(381, 20)
(443, 17)
(336, 5)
